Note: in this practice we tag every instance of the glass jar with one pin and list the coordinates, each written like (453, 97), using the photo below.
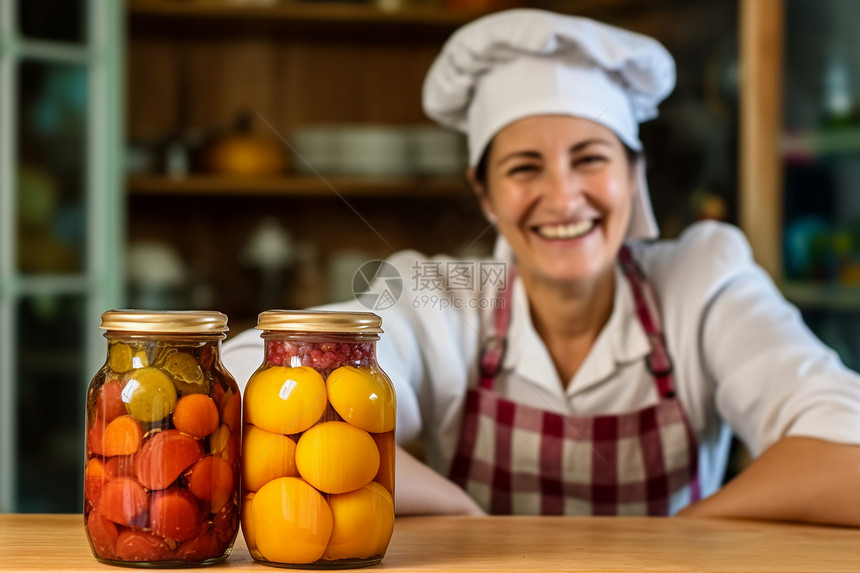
(161, 482)
(318, 454)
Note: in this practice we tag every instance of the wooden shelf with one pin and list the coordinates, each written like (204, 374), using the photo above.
(299, 12)
(811, 144)
(834, 297)
(345, 12)
(299, 186)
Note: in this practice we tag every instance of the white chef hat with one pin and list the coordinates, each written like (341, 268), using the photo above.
(523, 62)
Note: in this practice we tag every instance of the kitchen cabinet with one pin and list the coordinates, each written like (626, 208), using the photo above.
(194, 67)
(61, 206)
(801, 159)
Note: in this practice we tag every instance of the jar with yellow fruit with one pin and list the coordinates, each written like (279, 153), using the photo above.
(161, 482)
(318, 443)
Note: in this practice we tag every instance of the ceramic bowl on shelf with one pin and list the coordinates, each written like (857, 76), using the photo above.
(373, 150)
(437, 151)
(349, 149)
(378, 150)
(315, 149)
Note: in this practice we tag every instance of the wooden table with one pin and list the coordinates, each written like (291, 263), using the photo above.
(57, 543)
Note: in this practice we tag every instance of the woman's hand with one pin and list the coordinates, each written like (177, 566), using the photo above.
(796, 479)
(418, 490)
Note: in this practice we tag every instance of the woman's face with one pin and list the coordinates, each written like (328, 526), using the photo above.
(560, 189)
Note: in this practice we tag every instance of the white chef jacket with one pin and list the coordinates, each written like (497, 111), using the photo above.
(743, 358)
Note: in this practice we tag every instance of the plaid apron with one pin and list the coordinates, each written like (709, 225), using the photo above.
(516, 459)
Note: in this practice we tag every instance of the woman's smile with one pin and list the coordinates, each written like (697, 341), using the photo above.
(565, 232)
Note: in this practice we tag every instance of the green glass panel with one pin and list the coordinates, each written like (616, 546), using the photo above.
(51, 389)
(51, 167)
(62, 21)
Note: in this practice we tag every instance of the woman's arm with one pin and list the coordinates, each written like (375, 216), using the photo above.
(418, 490)
(796, 479)
(772, 382)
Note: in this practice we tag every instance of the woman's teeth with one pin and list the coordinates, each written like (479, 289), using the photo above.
(571, 231)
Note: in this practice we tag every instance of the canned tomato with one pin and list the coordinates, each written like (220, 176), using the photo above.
(318, 454)
(161, 484)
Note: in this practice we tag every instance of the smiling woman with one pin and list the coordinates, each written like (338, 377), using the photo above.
(560, 190)
(607, 370)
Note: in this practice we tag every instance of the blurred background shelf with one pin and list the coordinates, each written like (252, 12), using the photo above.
(832, 297)
(298, 186)
(304, 12)
(818, 153)
(815, 143)
(445, 15)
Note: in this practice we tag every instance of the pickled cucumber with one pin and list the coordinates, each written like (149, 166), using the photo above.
(119, 357)
(187, 374)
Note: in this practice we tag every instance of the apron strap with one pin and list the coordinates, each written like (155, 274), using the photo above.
(647, 308)
(496, 345)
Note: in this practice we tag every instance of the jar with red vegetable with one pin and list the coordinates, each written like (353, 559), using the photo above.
(163, 423)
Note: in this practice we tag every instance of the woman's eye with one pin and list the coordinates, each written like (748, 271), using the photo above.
(525, 168)
(588, 160)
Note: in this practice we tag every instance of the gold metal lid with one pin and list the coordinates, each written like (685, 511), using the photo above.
(320, 321)
(165, 322)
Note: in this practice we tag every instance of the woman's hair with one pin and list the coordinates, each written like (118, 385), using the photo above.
(481, 167)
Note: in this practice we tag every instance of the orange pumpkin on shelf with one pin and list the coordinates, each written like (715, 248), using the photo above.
(244, 152)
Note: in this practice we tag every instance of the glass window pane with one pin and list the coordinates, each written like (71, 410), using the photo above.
(51, 168)
(51, 390)
(51, 20)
